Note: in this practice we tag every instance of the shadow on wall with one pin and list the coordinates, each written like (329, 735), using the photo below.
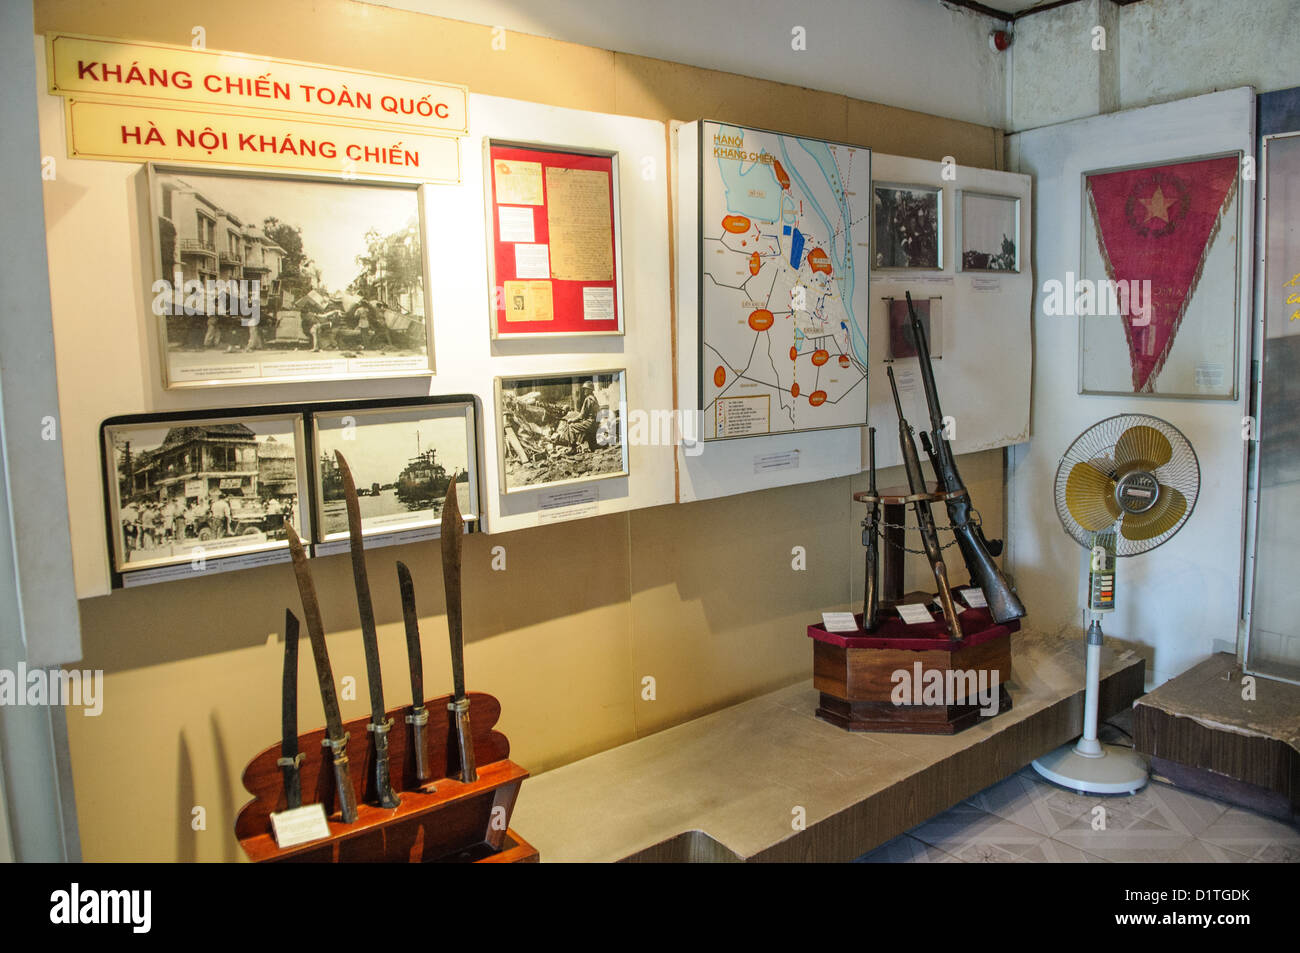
(551, 572)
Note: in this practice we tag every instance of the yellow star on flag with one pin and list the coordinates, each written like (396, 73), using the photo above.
(1157, 207)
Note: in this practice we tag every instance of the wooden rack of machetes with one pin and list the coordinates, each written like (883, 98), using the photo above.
(440, 788)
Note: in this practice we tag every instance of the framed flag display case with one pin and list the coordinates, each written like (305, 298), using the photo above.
(1159, 284)
(554, 261)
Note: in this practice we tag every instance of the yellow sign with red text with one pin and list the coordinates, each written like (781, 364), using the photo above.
(141, 132)
(211, 79)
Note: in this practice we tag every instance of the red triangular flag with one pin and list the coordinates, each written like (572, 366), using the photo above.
(1158, 223)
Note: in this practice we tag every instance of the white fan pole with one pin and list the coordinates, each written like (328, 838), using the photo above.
(1090, 766)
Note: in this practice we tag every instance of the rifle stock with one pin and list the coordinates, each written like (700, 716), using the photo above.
(976, 550)
(924, 517)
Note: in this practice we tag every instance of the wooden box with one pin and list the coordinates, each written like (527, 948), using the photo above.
(911, 678)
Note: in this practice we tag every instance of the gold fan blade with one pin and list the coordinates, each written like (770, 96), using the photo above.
(1090, 496)
(1142, 448)
(1161, 518)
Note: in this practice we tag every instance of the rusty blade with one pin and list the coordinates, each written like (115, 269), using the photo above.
(316, 634)
(380, 723)
(335, 737)
(418, 719)
(452, 530)
(369, 634)
(411, 619)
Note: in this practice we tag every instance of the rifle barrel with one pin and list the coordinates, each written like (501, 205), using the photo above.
(898, 404)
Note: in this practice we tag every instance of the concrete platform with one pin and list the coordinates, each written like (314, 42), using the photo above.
(1202, 735)
(766, 780)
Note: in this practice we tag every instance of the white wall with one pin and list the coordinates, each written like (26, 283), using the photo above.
(1156, 51)
(1174, 48)
(917, 54)
(1181, 600)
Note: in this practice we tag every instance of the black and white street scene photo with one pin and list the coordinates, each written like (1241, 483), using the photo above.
(402, 463)
(263, 279)
(907, 231)
(212, 488)
(989, 232)
(557, 430)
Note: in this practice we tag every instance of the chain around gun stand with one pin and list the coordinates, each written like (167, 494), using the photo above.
(885, 524)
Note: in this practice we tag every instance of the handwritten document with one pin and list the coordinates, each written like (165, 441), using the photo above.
(580, 226)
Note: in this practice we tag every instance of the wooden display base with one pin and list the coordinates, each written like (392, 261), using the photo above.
(439, 820)
(908, 719)
(855, 673)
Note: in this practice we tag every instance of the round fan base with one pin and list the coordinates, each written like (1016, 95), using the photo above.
(1116, 771)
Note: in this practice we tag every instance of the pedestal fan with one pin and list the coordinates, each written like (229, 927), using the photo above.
(1124, 486)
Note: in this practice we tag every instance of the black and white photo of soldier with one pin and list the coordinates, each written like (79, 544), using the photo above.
(562, 429)
(257, 269)
(216, 487)
(907, 227)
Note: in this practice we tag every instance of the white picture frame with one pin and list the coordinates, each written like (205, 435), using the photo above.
(535, 448)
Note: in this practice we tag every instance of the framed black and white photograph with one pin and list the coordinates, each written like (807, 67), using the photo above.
(561, 429)
(908, 227)
(269, 278)
(988, 232)
(402, 459)
(189, 490)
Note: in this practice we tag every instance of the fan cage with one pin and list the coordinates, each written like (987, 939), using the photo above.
(1182, 472)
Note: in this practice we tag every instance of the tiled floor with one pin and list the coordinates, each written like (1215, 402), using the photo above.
(1025, 819)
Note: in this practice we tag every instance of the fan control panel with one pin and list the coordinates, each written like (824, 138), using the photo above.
(1101, 574)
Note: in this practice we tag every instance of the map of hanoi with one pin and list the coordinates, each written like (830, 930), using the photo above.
(783, 296)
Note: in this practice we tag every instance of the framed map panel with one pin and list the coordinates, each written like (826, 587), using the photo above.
(784, 252)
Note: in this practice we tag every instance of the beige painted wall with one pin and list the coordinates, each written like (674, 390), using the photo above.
(701, 596)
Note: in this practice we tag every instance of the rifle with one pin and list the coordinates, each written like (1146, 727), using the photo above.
(976, 550)
(870, 527)
(924, 518)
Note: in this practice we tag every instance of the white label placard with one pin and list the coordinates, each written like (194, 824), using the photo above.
(532, 261)
(300, 825)
(597, 304)
(974, 598)
(1209, 375)
(786, 460)
(839, 622)
(914, 614)
(515, 224)
(567, 504)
